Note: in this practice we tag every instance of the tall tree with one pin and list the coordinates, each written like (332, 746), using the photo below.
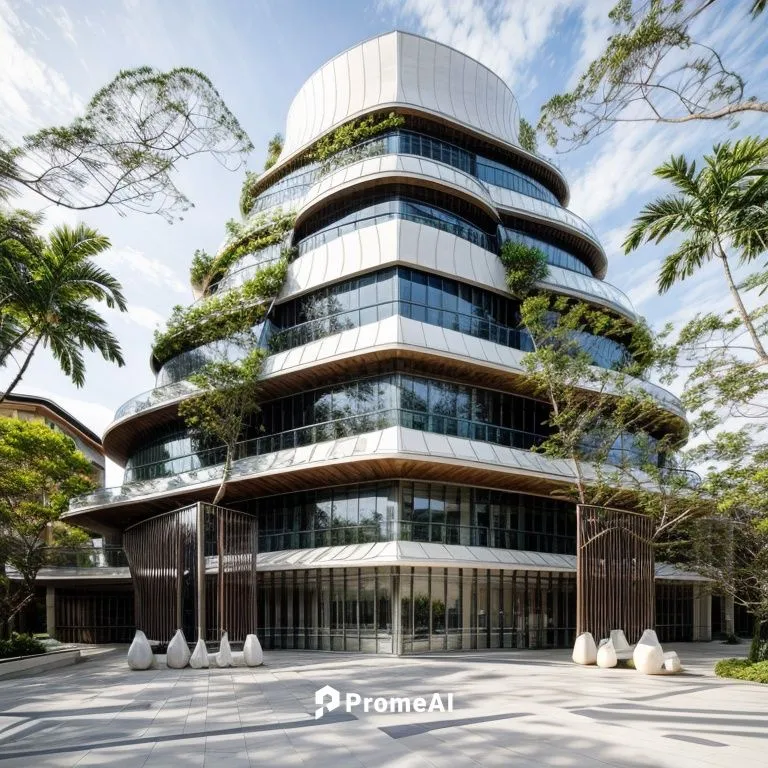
(652, 69)
(122, 151)
(40, 470)
(228, 396)
(603, 422)
(721, 209)
(51, 306)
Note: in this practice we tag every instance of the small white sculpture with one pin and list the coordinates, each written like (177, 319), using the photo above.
(177, 655)
(140, 654)
(672, 662)
(224, 656)
(650, 636)
(606, 655)
(619, 640)
(199, 657)
(648, 655)
(584, 649)
(252, 653)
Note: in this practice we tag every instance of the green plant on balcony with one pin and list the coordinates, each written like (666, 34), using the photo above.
(525, 265)
(221, 316)
(342, 138)
(259, 233)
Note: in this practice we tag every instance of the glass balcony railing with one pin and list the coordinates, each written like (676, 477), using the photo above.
(84, 557)
(423, 531)
(206, 465)
(418, 531)
(154, 397)
(464, 231)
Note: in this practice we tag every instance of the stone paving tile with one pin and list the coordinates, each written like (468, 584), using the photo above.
(516, 709)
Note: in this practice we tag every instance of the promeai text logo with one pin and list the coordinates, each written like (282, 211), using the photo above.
(327, 699)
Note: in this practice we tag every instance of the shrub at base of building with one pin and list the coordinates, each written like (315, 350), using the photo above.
(20, 645)
(743, 669)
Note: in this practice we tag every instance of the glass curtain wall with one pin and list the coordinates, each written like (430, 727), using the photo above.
(416, 610)
(414, 511)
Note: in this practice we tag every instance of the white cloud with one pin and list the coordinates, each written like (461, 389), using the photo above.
(506, 37)
(642, 282)
(30, 90)
(155, 272)
(143, 316)
(62, 20)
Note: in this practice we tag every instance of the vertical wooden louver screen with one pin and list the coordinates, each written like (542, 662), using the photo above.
(169, 554)
(614, 572)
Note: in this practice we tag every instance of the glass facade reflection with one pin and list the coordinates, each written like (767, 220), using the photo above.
(351, 408)
(400, 201)
(298, 182)
(420, 296)
(406, 610)
(414, 511)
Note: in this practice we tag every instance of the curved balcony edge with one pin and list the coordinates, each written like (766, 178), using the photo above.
(397, 336)
(392, 443)
(370, 171)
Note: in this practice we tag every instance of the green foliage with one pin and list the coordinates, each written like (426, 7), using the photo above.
(353, 132)
(342, 138)
(592, 408)
(229, 394)
(720, 208)
(651, 69)
(525, 265)
(527, 136)
(40, 471)
(261, 232)
(20, 645)
(50, 287)
(743, 669)
(201, 267)
(274, 148)
(123, 150)
(220, 316)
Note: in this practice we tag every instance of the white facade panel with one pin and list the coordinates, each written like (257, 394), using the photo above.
(400, 69)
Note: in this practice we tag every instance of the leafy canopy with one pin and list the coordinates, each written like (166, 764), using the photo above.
(122, 151)
(722, 211)
(49, 291)
(228, 396)
(524, 265)
(40, 471)
(652, 69)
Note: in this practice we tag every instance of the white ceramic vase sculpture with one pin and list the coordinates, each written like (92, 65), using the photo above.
(606, 655)
(584, 649)
(252, 653)
(648, 655)
(177, 655)
(224, 656)
(672, 663)
(140, 654)
(199, 657)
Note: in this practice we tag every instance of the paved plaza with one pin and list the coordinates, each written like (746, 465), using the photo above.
(523, 708)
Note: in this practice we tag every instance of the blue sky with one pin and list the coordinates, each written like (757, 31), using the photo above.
(54, 56)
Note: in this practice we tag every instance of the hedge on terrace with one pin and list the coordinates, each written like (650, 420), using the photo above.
(220, 316)
(258, 234)
(343, 137)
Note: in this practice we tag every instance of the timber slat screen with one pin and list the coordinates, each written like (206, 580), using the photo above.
(614, 572)
(194, 568)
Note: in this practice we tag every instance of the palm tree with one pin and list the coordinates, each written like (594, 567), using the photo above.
(52, 306)
(722, 209)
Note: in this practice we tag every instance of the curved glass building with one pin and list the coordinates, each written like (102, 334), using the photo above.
(400, 507)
